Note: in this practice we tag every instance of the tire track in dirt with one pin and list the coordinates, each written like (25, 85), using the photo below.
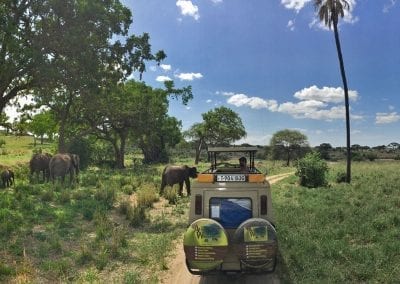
(177, 272)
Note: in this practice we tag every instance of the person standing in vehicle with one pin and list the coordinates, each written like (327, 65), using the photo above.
(243, 164)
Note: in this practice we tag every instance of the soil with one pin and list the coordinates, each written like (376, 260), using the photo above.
(178, 273)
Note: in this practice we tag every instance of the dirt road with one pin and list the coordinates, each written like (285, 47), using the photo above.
(178, 273)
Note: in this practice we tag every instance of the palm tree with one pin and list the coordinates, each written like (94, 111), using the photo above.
(329, 12)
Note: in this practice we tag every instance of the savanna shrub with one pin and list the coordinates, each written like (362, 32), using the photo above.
(312, 170)
(83, 148)
(371, 156)
(341, 177)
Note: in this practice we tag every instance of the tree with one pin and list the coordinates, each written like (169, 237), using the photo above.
(197, 133)
(288, 144)
(43, 124)
(4, 122)
(324, 150)
(134, 111)
(220, 127)
(64, 49)
(393, 146)
(329, 12)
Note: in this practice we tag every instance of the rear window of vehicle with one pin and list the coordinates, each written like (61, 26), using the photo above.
(230, 212)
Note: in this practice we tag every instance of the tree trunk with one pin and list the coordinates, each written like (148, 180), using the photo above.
(62, 148)
(288, 158)
(61, 137)
(346, 102)
(198, 151)
(120, 152)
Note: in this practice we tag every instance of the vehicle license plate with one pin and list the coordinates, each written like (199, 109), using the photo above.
(223, 178)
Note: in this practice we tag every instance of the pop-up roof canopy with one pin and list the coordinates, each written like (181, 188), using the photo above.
(246, 151)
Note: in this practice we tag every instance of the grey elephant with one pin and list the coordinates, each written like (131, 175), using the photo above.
(7, 177)
(178, 174)
(40, 163)
(62, 164)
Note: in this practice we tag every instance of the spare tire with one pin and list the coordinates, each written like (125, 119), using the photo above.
(256, 245)
(205, 243)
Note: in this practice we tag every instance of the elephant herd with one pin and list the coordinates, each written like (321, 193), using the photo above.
(51, 168)
(55, 166)
(60, 165)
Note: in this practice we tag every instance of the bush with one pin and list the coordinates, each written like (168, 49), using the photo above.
(341, 177)
(312, 170)
(371, 156)
(82, 147)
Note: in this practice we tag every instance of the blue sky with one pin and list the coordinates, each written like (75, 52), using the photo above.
(277, 67)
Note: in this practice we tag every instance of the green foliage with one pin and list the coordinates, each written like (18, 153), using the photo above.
(147, 195)
(136, 215)
(83, 148)
(132, 277)
(357, 156)
(43, 124)
(222, 126)
(340, 177)
(171, 194)
(371, 156)
(2, 143)
(106, 196)
(312, 170)
(288, 145)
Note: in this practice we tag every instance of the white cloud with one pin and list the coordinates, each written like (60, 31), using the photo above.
(165, 67)
(326, 94)
(188, 9)
(216, 1)
(315, 103)
(296, 5)
(208, 101)
(384, 118)
(153, 68)
(255, 139)
(189, 76)
(290, 25)
(389, 5)
(253, 102)
(163, 78)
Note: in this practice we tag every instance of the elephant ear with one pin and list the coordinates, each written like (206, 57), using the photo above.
(75, 160)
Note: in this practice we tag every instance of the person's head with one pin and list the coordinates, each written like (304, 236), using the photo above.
(242, 161)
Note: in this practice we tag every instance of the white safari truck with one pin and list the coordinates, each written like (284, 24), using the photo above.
(231, 221)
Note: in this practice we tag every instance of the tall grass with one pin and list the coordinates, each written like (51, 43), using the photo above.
(341, 233)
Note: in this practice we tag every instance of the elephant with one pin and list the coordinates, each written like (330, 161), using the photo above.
(178, 174)
(7, 177)
(62, 164)
(40, 163)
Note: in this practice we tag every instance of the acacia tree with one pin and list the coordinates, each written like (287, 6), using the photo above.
(329, 12)
(288, 144)
(220, 127)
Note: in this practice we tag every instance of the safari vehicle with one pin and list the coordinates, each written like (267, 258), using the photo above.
(231, 221)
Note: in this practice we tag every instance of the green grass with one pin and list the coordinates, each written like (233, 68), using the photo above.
(91, 233)
(19, 149)
(341, 233)
(76, 233)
